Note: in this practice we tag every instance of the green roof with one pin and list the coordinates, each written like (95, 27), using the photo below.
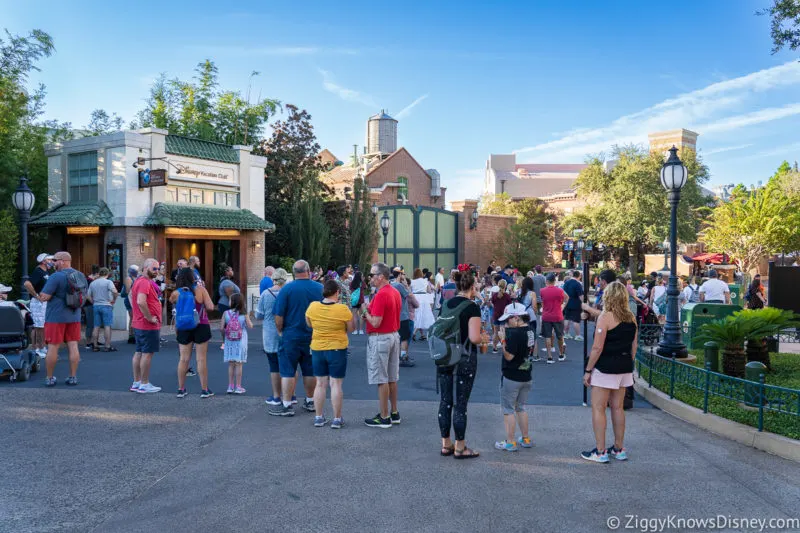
(75, 214)
(175, 144)
(199, 216)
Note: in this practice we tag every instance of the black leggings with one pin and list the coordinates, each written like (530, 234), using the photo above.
(465, 372)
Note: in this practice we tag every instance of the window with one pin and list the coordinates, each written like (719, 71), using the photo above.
(402, 191)
(83, 176)
(171, 194)
(201, 197)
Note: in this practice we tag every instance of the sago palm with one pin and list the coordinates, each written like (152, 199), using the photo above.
(773, 322)
(730, 333)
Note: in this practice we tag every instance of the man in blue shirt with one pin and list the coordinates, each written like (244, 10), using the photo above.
(290, 320)
(266, 281)
(508, 274)
(572, 312)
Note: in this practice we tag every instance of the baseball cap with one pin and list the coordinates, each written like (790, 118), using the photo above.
(4, 288)
(551, 277)
(43, 256)
(514, 309)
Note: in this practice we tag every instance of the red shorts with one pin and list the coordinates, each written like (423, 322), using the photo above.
(55, 333)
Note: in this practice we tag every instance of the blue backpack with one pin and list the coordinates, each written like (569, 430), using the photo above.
(186, 316)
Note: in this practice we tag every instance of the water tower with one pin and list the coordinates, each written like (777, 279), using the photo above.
(381, 134)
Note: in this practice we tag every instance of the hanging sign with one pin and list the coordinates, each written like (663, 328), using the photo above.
(152, 178)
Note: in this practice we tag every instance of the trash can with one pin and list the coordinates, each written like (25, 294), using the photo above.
(752, 373)
(695, 315)
(737, 294)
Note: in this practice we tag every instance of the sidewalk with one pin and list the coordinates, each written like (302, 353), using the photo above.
(163, 463)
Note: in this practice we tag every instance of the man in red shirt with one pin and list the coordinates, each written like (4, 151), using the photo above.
(146, 326)
(383, 345)
(554, 300)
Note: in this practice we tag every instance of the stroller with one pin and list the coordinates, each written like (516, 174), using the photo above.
(16, 361)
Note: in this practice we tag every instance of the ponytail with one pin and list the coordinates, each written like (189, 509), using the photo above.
(464, 280)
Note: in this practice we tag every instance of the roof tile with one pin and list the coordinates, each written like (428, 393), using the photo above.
(178, 145)
(197, 216)
(75, 214)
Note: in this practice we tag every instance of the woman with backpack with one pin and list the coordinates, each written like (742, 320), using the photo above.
(461, 376)
(235, 322)
(358, 290)
(192, 329)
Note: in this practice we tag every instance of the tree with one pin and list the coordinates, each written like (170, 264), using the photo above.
(9, 248)
(752, 225)
(100, 123)
(362, 229)
(627, 206)
(785, 24)
(197, 109)
(292, 187)
(522, 245)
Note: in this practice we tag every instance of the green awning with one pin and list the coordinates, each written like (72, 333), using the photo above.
(175, 144)
(198, 216)
(75, 214)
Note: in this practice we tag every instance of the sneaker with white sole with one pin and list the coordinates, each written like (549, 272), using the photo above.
(147, 388)
(320, 421)
(239, 390)
(272, 400)
(337, 423)
(567, 336)
(506, 446)
(562, 357)
(550, 361)
(595, 456)
(308, 405)
(206, 393)
(579, 338)
(230, 389)
(618, 453)
(135, 386)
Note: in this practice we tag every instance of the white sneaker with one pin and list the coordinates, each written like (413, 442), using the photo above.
(567, 336)
(579, 338)
(147, 388)
(135, 386)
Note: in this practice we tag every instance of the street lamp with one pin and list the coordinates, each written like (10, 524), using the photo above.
(673, 178)
(665, 244)
(23, 200)
(374, 209)
(386, 223)
(580, 245)
(473, 223)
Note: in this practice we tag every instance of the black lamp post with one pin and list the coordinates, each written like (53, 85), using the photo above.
(23, 200)
(673, 178)
(386, 223)
(665, 244)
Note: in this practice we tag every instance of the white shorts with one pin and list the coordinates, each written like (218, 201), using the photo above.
(37, 312)
(611, 381)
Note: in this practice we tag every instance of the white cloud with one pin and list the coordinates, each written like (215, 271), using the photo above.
(277, 51)
(702, 110)
(723, 149)
(350, 95)
(407, 109)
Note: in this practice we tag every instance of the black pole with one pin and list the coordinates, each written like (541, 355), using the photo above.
(385, 233)
(671, 344)
(24, 216)
(770, 273)
(585, 329)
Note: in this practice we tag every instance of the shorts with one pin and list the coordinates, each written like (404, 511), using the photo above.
(294, 352)
(549, 327)
(37, 312)
(200, 334)
(405, 330)
(514, 395)
(272, 358)
(56, 333)
(103, 316)
(573, 315)
(331, 363)
(147, 340)
(383, 358)
(611, 381)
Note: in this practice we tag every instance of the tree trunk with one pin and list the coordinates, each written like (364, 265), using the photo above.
(733, 361)
(758, 351)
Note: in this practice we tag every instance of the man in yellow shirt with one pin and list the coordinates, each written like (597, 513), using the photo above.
(330, 322)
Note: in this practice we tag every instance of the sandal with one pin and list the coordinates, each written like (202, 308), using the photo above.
(466, 453)
(110, 349)
(447, 451)
(95, 349)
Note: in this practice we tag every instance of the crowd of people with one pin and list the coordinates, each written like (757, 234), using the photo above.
(308, 317)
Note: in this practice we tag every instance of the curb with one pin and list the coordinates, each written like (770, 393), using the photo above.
(749, 436)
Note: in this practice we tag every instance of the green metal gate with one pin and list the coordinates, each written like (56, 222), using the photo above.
(419, 237)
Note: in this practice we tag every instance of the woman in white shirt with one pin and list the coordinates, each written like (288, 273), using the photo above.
(659, 290)
(424, 313)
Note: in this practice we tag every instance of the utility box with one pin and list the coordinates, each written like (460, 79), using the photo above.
(695, 315)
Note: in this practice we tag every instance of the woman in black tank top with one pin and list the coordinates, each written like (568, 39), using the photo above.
(609, 371)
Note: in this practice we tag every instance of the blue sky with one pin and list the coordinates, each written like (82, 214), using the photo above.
(552, 81)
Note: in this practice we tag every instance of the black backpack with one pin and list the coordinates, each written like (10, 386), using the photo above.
(77, 288)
